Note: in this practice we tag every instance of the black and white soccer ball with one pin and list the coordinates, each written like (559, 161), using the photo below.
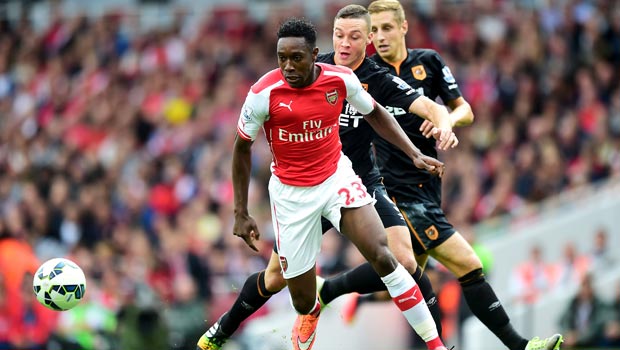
(59, 284)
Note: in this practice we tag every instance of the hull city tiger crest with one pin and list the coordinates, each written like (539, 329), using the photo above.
(418, 72)
(332, 97)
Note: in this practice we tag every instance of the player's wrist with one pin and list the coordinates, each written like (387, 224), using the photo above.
(453, 120)
(415, 154)
(241, 212)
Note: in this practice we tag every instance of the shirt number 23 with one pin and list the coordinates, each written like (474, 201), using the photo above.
(350, 193)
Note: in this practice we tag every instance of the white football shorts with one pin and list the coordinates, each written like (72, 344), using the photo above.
(296, 214)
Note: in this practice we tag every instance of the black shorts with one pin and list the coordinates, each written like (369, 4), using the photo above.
(388, 212)
(427, 224)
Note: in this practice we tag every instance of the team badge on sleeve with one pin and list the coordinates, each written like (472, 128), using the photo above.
(419, 73)
(332, 97)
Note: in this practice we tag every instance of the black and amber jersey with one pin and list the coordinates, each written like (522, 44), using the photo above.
(427, 73)
(356, 134)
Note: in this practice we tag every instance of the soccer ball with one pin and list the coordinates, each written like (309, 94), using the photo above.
(59, 284)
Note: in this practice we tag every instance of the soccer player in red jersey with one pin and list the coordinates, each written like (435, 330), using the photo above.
(298, 106)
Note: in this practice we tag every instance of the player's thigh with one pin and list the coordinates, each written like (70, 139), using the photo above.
(398, 238)
(296, 218)
(363, 228)
(457, 255)
(399, 242)
(274, 281)
(350, 209)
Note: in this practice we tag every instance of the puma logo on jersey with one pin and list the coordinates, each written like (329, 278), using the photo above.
(282, 104)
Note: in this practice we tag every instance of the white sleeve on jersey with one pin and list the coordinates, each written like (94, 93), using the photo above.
(356, 95)
(254, 113)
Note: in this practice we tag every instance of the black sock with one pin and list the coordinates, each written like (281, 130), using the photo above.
(362, 279)
(484, 304)
(253, 295)
(429, 296)
(368, 298)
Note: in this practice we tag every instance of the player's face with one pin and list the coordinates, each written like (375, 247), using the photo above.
(388, 35)
(296, 61)
(351, 36)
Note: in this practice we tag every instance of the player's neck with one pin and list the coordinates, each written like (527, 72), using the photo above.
(316, 71)
(401, 55)
(352, 65)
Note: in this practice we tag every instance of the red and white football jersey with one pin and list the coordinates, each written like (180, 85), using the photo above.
(301, 124)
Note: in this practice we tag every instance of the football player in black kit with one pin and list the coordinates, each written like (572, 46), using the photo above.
(351, 36)
(415, 192)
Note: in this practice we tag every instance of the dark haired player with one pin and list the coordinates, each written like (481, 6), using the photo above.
(298, 106)
(418, 194)
(351, 36)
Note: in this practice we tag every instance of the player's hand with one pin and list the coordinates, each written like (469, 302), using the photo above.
(446, 138)
(429, 164)
(246, 228)
(427, 128)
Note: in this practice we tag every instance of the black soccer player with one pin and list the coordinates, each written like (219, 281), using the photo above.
(416, 193)
(351, 35)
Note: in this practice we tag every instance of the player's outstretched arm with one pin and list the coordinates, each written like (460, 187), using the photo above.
(387, 127)
(439, 117)
(244, 226)
(461, 115)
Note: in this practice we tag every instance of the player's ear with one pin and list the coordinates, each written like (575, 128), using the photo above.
(371, 35)
(405, 27)
(315, 53)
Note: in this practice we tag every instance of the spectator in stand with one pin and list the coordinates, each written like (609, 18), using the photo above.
(532, 278)
(583, 322)
(612, 328)
(572, 268)
(33, 323)
(602, 257)
(185, 316)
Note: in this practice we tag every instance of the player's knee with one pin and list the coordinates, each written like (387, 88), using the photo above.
(471, 263)
(471, 278)
(274, 281)
(407, 260)
(384, 260)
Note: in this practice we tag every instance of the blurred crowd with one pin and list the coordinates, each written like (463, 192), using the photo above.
(115, 149)
(588, 320)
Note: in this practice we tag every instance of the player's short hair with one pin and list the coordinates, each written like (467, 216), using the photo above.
(379, 6)
(354, 11)
(298, 28)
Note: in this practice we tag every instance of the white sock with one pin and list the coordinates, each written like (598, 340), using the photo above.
(407, 296)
